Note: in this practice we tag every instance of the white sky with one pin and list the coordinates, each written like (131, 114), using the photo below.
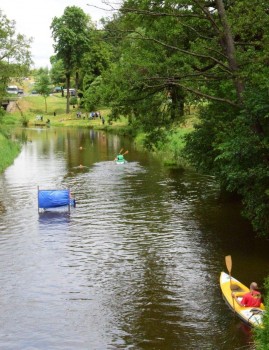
(33, 19)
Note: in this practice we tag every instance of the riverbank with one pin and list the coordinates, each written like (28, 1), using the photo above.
(9, 150)
(30, 111)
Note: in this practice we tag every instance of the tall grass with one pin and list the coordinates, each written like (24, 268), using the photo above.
(169, 150)
(9, 150)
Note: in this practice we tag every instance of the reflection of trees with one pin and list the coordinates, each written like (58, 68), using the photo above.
(153, 319)
(143, 299)
(22, 136)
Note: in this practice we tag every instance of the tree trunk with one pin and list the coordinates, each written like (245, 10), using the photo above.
(177, 100)
(46, 105)
(77, 80)
(67, 75)
(227, 43)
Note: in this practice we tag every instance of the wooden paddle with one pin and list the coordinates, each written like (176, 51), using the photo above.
(125, 153)
(228, 261)
(119, 153)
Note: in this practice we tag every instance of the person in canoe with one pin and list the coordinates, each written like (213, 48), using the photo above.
(120, 158)
(251, 299)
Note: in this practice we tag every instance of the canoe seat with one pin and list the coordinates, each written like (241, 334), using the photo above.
(236, 287)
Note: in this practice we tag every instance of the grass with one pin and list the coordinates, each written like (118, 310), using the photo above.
(8, 152)
(27, 108)
(170, 151)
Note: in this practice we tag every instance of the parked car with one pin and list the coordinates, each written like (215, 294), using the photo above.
(57, 89)
(12, 89)
(72, 92)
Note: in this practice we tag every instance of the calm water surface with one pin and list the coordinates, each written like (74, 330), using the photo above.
(134, 266)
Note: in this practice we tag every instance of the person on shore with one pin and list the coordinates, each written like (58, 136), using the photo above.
(251, 299)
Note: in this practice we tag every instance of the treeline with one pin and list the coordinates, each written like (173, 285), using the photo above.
(155, 59)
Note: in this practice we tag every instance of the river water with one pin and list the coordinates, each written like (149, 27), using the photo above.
(135, 265)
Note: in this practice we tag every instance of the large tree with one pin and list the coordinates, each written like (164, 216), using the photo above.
(71, 35)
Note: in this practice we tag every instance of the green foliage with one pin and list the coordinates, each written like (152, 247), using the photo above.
(24, 121)
(70, 33)
(2, 113)
(7, 120)
(134, 85)
(15, 48)
(43, 86)
(202, 144)
(15, 56)
(261, 335)
(57, 72)
(97, 59)
(233, 145)
(73, 100)
(93, 96)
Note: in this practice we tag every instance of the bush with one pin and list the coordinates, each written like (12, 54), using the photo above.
(261, 335)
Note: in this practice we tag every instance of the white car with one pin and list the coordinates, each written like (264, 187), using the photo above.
(12, 89)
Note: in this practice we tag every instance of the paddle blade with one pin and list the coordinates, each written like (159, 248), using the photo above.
(228, 261)
(121, 151)
(125, 153)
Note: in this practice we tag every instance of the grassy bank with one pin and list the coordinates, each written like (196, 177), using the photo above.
(9, 150)
(28, 110)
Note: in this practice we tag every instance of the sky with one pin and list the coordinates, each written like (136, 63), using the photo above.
(33, 19)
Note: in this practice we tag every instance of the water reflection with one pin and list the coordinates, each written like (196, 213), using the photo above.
(53, 218)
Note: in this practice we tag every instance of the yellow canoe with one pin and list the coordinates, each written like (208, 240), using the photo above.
(250, 315)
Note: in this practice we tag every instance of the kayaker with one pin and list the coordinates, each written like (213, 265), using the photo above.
(120, 158)
(251, 299)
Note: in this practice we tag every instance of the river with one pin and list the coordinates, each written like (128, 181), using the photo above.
(135, 265)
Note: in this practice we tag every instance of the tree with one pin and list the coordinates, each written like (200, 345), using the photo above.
(199, 49)
(15, 57)
(43, 85)
(232, 143)
(57, 72)
(70, 33)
